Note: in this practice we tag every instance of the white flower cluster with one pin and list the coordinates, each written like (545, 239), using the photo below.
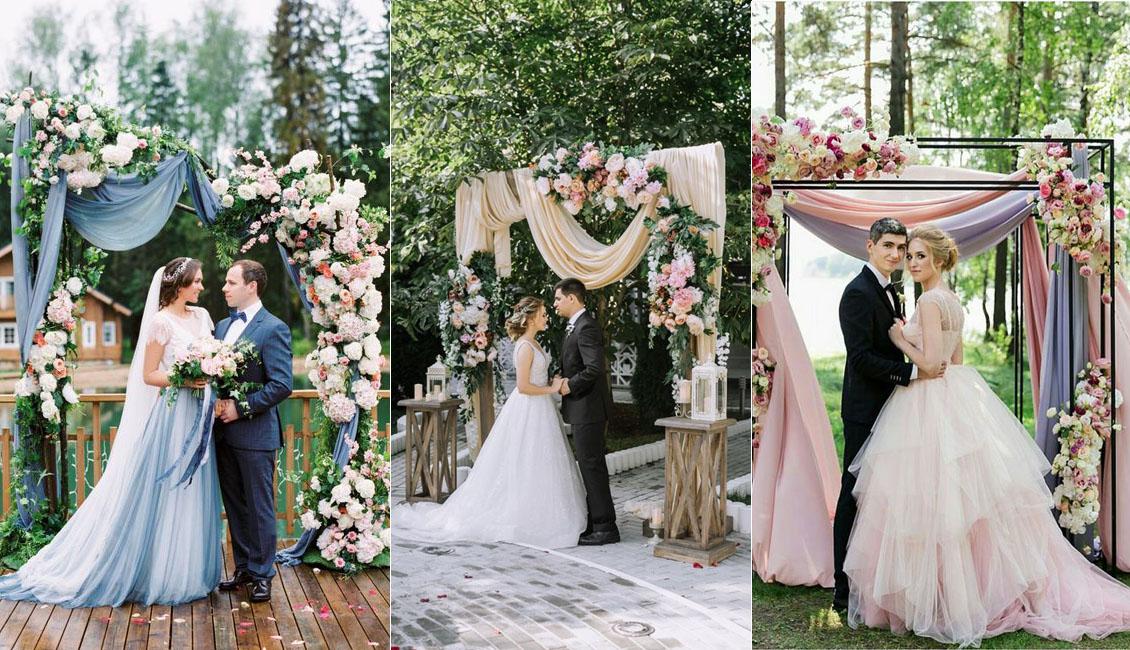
(45, 376)
(335, 249)
(72, 137)
(352, 517)
(469, 315)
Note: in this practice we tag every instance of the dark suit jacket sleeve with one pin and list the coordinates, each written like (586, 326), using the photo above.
(277, 365)
(861, 346)
(591, 345)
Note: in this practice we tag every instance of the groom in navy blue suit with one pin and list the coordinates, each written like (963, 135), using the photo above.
(247, 439)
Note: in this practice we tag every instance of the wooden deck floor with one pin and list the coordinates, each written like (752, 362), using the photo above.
(308, 609)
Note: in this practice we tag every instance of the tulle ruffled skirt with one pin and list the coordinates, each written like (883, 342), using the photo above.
(954, 538)
(134, 539)
(524, 487)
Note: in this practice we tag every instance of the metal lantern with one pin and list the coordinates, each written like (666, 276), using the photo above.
(437, 380)
(708, 392)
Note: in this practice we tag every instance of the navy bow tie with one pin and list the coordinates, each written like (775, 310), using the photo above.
(238, 315)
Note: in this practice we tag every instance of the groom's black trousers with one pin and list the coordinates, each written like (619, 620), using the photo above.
(588, 439)
(855, 434)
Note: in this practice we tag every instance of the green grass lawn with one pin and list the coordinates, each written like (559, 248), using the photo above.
(801, 617)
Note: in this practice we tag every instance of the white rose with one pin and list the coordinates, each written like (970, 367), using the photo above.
(355, 510)
(372, 345)
(50, 411)
(343, 202)
(344, 521)
(318, 184)
(74, 285)
(115, 155)
(227, 201)
(309, 521)
(304, 160)
(127, 140)
(328, 356)
(13, 113)
(542, 185)
(39, 110)
(633, 165)
(354, 350)
(366, 488)
(246, 192)
(48, 382)
(353, 188)
(315, 484)
(95, 131)
(70, 395)
(340, 493)
(326, 509)
(369, 366)
(84, 112)
(23, 386)
(221, 186)
(615, 162)
(73, 131)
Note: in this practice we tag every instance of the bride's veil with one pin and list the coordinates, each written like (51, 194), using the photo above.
(140, 396)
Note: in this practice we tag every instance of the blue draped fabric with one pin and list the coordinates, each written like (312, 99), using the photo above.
(1063, 355)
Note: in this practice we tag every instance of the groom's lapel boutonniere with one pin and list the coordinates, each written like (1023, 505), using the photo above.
(902, 301)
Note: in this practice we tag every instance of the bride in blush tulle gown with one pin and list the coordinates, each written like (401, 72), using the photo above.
(525, 486)
(954, 537)
(139, 537)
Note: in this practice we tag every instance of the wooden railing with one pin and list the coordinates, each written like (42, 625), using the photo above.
(298, 447)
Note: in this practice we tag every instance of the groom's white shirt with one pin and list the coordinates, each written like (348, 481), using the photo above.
(237, 326)
(883, 282)
(573, 319)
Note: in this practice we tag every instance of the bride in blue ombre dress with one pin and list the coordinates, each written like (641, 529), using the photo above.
(143, 535)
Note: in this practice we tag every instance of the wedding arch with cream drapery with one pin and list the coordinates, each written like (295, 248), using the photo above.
(486, 207)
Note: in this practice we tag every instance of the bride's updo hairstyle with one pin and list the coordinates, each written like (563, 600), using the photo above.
(943, 249)
(519, 320)
(178, 274)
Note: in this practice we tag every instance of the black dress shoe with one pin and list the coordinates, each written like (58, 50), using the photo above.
(238, 579)
(840, 607)
(599, 538)
(260, 591)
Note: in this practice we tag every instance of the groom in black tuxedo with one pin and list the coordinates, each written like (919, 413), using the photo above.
(586, 403)
(874, 367)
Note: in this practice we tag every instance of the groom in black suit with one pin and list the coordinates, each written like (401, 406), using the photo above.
(874, 367)
(586, 403)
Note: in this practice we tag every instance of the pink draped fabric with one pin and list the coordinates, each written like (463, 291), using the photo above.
(1035, 294)
(847, 208)
(1121, 336)
(796, 474)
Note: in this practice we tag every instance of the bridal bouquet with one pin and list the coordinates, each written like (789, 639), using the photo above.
(216, 362)
(596, 179)
(1081, 431)
(1074, 209)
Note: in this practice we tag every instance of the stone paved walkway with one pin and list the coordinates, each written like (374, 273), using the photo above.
(467, 595)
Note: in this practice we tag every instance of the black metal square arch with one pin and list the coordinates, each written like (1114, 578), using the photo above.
(1101, 147)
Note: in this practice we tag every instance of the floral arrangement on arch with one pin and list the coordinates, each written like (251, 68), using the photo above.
(1074, 209)
(82, 141)
(681, 302)
(763, 368)
(350, 507)
(332, 240)
(469, 323)
(1082, 430)
(797, 151)
(596, 180)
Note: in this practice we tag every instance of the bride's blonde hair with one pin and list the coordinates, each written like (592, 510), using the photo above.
(943, 249)
(519, 320)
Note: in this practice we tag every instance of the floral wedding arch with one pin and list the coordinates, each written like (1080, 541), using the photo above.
(85, 181)
(677, 197)
(792, 161)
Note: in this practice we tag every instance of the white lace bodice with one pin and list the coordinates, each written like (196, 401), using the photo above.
(539, 370)
(953, 319)
(177, 333)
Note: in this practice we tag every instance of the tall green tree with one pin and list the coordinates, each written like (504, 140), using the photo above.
(297, 79)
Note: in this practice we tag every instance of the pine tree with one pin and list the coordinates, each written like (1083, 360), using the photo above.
(164, 105)
(298, 90)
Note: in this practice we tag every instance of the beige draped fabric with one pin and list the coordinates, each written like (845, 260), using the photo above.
(486, 207)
